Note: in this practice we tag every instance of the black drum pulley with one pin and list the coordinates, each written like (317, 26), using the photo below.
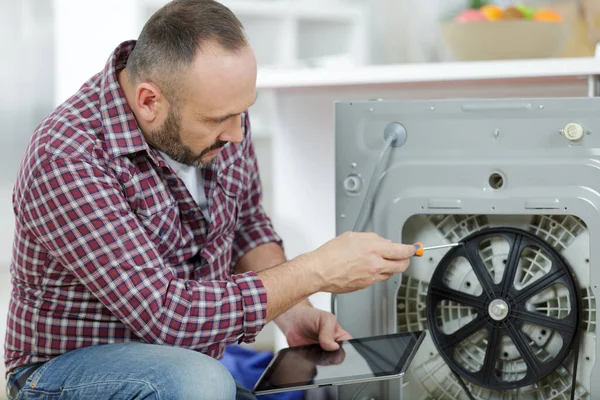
(503, 309)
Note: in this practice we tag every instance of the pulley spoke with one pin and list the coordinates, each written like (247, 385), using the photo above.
(458, 297)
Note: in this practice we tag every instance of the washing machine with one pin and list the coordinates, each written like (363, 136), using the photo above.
(510, 312)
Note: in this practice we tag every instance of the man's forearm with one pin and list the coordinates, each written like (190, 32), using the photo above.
(261, 259)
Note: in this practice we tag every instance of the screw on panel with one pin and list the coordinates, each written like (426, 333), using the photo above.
(588, 132)
(541, 107)
(561, 132)
(432, 108)
(497, 133)
(353, 165)
(343, 216)
(370, 110)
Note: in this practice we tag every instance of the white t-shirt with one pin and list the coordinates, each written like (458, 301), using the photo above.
(192, 178)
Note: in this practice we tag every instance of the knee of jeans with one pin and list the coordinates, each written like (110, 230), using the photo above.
(204, 378)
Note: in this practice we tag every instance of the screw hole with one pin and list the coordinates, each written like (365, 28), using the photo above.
(430, 259)
(504, 261)
(468, 284)
(505, 355)
(587, 260)
(496, 181)
(587, 359)
(543, 332)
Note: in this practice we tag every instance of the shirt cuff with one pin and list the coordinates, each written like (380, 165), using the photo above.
(254, 303)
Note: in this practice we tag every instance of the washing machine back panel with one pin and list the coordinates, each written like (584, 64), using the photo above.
(460, 149)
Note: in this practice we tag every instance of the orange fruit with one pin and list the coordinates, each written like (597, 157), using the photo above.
(492, 12)
(547, 16)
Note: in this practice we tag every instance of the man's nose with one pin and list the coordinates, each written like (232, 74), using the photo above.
(233, 132)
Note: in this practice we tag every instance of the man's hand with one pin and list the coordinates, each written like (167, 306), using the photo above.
(305, 324)
(356, 260)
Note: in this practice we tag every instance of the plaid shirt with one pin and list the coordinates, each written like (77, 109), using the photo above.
(111, 247)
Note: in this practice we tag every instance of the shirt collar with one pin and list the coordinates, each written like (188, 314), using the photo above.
(176, 165)
(122, 133)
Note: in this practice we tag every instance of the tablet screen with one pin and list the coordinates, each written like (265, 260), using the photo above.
(356, 359)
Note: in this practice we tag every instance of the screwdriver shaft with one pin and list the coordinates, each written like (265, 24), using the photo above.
(442, 246)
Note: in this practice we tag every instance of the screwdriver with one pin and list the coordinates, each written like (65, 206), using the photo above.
(421, 249)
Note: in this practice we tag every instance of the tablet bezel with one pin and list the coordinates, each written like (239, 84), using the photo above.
(398, 371)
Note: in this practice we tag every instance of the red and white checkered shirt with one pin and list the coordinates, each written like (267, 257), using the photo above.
(111, 247)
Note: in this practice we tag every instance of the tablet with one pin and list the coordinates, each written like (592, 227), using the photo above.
(357, 360)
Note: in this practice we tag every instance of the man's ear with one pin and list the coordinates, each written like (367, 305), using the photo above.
(149, 101)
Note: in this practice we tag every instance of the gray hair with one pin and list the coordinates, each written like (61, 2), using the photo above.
(174, 34)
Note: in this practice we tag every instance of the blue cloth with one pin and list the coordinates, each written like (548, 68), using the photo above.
(246, 365)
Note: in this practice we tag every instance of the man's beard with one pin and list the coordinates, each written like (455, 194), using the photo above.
(168, 140)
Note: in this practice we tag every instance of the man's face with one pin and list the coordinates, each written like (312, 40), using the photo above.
(219, 86)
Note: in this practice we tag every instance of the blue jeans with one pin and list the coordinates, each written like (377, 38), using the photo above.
(129, 371)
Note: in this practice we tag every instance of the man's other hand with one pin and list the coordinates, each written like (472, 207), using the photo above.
(311, 325)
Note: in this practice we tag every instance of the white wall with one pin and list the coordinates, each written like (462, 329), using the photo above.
(86, 32)
(402, 31)
(26, 74)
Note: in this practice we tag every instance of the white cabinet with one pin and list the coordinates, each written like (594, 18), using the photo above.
(292, 33)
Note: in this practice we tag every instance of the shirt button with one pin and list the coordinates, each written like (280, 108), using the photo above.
(173, 182)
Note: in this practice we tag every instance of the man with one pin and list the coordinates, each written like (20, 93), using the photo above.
(141, 246)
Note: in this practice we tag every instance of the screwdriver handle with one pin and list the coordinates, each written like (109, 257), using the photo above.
(420, 249)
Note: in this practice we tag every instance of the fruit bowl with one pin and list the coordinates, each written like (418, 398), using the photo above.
(504, 39)
(492, 33)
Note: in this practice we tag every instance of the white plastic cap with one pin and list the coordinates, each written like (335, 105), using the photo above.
(352, 184)
(573, 131)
